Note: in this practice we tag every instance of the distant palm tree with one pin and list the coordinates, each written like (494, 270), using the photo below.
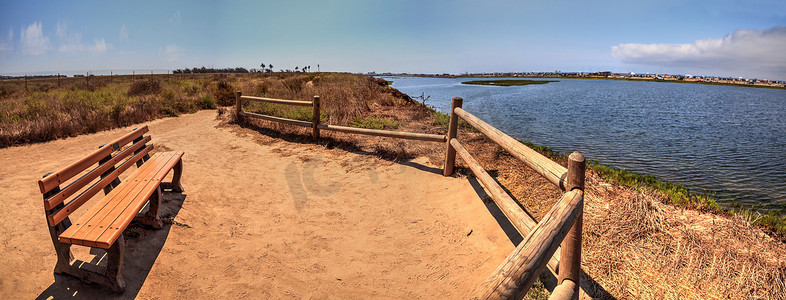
(317, 67)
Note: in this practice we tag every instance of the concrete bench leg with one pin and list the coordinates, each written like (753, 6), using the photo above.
(113, 272)
(89, 273)
(64, 255)
(151, 218)
(175, 184)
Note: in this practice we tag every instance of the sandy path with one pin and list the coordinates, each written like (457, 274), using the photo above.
(265, 217)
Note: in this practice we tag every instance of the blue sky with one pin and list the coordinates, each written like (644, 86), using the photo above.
(726, 38)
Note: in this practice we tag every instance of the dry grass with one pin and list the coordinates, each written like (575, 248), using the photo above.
(46, 111)
(634, 245)
(637, 247)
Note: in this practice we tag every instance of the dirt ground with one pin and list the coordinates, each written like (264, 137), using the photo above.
(263, 218)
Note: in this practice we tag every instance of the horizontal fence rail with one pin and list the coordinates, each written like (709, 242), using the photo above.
(386, 133)
(276, 119)
(316, 126)
(550, 170)
(278, 101)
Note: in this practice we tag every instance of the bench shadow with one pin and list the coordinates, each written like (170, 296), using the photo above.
(143, 245)
(588, 285)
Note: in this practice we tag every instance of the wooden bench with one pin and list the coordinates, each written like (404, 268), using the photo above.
(102, 226)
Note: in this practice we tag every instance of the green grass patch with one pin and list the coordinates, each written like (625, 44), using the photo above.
(508, 82)
(678, 194)
(375, 123)
(772, 220)
(443, 120)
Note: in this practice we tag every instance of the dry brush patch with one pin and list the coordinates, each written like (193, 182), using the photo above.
(634, 245)
(39, 114)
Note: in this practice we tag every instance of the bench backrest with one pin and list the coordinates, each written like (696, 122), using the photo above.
(107, 156)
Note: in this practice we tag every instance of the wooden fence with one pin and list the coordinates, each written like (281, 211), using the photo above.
(562, 225)
(316, 126)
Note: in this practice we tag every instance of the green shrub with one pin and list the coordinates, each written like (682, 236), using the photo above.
(190, 88)
(206, 102)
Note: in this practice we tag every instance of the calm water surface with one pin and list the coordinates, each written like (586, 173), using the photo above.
(730, 141)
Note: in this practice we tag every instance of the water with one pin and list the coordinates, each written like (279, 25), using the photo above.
(726, 140)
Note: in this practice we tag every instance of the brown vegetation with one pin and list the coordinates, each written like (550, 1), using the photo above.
(634, 245)
(46, 111)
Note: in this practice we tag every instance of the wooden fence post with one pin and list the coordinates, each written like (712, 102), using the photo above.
(450, 153)
(238, 105)
(570, 261)
(315, 118)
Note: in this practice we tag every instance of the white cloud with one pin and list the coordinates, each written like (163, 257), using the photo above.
(172, 52)
(32, 40)
(752, 52)
(123, 35)
(175, 19)
(72, 42)
(100, 46)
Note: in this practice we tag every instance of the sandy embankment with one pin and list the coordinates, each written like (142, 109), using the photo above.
(265, 217)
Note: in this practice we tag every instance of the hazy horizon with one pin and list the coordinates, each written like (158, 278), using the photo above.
(711, 38)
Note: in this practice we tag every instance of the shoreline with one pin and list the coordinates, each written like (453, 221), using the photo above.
(680, 195)
(772, 221)
(776, 87)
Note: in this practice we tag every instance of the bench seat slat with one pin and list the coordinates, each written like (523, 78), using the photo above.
(56, 217)
(104, 223)
(124, 202)
(122, 221)
(98, 213)
(49, 182)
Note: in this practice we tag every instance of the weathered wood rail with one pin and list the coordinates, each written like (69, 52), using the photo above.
(560, 229)
(316, 126)
(563, 224)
